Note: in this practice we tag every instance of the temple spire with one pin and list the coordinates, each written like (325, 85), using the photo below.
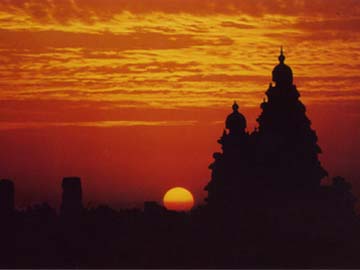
(281, 56)
(282, 73)
(235, 107)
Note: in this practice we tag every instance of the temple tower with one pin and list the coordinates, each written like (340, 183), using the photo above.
(231, 166)
(286, 149)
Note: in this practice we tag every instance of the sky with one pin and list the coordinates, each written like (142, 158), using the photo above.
(132, 95)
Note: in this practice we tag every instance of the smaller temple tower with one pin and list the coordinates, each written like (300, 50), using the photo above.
(7, 197)
(230, 170)
(71, 206)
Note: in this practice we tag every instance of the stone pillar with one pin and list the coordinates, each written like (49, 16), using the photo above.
(7, 197)
(71, 205)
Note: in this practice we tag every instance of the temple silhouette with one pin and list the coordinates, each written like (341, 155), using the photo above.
(266, 208)
(280, 156)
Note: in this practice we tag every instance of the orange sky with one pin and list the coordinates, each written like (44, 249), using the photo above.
(131, 95)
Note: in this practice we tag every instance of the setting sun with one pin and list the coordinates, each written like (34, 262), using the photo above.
(178, 199)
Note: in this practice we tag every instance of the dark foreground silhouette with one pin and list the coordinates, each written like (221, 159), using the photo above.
(266, 208)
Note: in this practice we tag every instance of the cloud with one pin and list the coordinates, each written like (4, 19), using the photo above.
(222, 78)
(340, 24)
(318, 30)
(90, 10)
(106, 40)
(65, 110)
(96, 124)
(237, 25)
(153, 67)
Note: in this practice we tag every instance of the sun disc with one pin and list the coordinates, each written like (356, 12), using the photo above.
(178, 199)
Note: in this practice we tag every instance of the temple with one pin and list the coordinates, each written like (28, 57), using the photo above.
(277, 161)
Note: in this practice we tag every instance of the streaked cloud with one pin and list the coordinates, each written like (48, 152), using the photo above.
(97, 124)
(88, 10)
(162, 54)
